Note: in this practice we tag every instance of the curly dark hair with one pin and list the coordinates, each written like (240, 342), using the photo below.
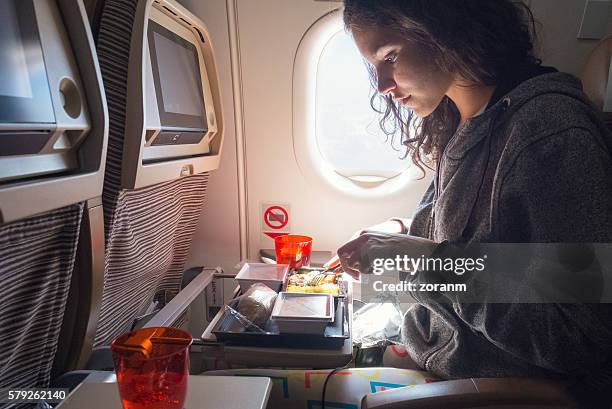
(483, 41)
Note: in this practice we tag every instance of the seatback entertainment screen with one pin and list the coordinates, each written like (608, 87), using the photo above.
(24, 89)
(178, 84)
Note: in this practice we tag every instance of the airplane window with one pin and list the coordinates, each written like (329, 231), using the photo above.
(347, 130)
(337, 140)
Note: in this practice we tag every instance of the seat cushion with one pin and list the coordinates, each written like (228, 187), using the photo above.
(304, 388)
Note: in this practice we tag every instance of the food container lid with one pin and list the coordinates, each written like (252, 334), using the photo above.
(301, 306)
(263, 271)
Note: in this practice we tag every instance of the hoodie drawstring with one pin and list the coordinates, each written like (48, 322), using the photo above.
(504, 106)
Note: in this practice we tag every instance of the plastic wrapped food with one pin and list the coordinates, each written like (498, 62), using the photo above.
(256, 303)
(377, 324)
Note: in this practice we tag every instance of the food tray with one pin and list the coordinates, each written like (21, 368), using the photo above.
(230, 331)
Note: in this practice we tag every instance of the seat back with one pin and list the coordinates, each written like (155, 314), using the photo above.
(51, 165)
(36, 263)
(149, 237)
(148, 230)
(595, 78)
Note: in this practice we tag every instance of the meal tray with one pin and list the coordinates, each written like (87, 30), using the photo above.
(229, 330)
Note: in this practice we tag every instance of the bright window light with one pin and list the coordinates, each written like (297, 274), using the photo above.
(347, 131)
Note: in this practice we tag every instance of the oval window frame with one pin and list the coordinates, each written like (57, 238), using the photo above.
(308, 156)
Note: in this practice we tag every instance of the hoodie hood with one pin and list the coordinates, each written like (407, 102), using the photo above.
(487, 146)
(509, 98)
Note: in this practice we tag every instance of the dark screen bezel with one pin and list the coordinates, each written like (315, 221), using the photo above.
(39, 108)
(173, 119)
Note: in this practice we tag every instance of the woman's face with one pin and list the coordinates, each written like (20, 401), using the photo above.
(403, 69)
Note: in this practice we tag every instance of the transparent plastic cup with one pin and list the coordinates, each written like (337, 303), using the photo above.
(293, 249)
(152, 366)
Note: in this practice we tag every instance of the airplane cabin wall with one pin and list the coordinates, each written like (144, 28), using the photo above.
(269, 32)
(560, 22)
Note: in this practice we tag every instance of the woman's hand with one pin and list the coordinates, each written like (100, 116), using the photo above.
(395, 225)
(358, 256)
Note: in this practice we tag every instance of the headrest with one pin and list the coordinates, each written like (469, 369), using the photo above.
(596, 74)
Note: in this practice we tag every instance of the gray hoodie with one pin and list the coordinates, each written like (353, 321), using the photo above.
(535, 167)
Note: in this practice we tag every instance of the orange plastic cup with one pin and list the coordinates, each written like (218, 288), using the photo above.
(152, 366)
(293, 249)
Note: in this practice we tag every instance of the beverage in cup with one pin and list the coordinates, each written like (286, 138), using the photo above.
(152, 366)
(293, 249)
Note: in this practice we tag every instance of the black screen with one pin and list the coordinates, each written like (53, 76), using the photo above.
(24, 88)
(178, 85)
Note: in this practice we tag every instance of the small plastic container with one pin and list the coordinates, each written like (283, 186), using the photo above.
(152, 366)
(293, 249)
(299, 313)
(272, 275)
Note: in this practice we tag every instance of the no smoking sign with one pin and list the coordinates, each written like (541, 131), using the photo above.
(275, 219)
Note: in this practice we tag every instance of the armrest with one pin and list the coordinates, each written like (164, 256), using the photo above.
(471, 393)
(173, 310)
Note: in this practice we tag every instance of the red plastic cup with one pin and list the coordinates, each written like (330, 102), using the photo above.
(152, 366)
(293, 249)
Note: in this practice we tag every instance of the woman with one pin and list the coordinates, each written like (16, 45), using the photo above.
(521, 156)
